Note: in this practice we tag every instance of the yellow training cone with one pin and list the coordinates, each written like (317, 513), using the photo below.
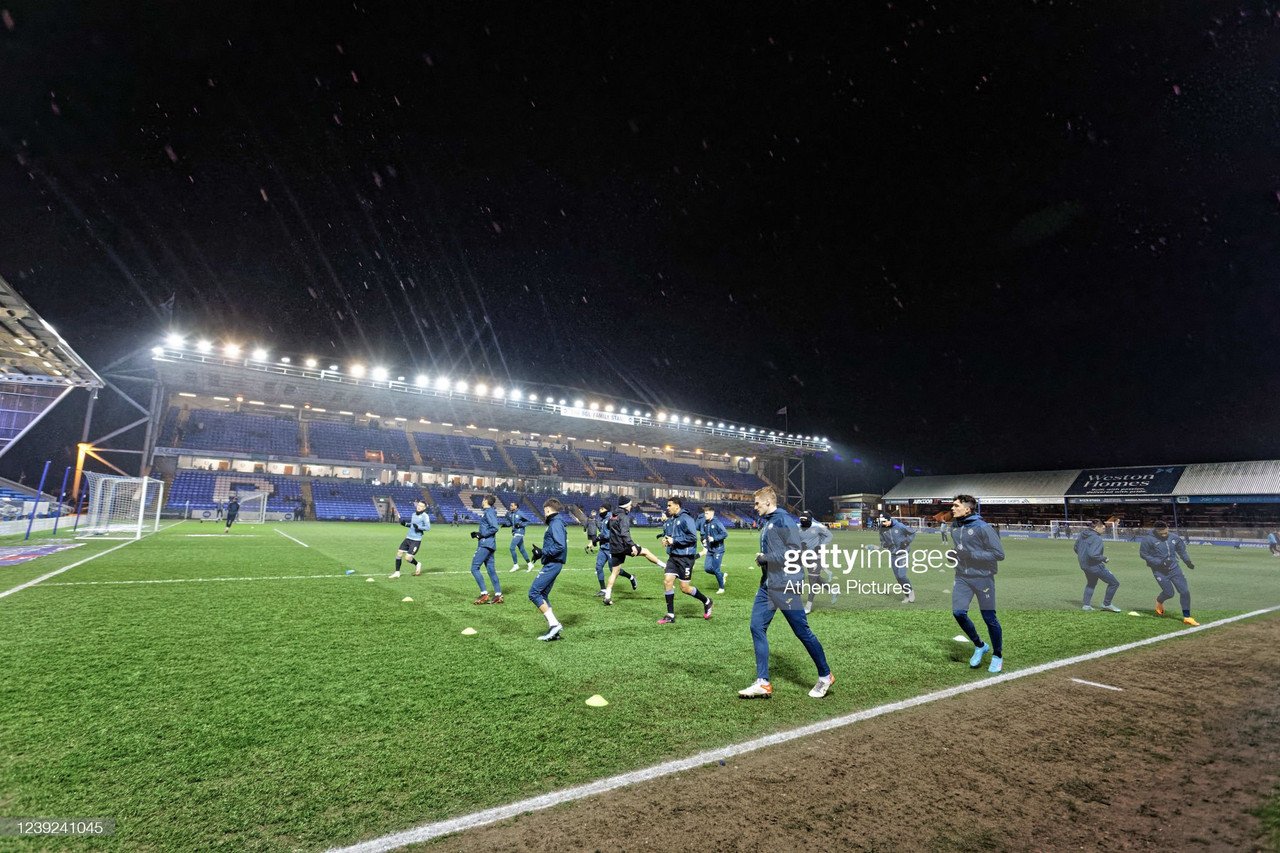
(597, 701)
(368, 580)
(469, 632)
(406, 598)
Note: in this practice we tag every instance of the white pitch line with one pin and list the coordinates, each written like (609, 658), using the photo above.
(287, 536)
(429, 831)
(56, 572)
(221, 535)
(1096, 684)
(197, 580)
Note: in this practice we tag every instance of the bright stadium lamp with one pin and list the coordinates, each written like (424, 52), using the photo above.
(551, 400)
(482, 389)
(698, 422)
(421, 380)
(333, 368)
(286, 360)
(685, 419)
(231, 350)
(720, 425)
(648, 414)
(460, 386)
(157, 350)
(380, 373)
(577, 404)
(442, 383)
(498, 393)
(311, 362)
(173, 340)
(356, 370)
(515, 394)
(562, 401)
(260, 354)
(624, 410)
(662, 416)
(609, 408)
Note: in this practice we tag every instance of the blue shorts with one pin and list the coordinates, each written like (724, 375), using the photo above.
(541, 586)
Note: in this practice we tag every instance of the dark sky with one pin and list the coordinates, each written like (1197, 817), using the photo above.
(1037, 235)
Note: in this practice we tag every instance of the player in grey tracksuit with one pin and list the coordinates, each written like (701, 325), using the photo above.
(1160, 550)
(977, 552)
(813, 535)
(1094, 565)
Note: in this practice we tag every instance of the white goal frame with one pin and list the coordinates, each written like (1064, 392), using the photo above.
(253, 508)
(915, 522)
(121, 507)
(1073, 528)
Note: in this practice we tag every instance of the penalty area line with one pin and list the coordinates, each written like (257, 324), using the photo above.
(429, 831)
(287, 536)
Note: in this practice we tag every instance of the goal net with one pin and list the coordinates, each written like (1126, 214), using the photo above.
(121, 507)
(253, 508)
(913, 521)
(1059, 529)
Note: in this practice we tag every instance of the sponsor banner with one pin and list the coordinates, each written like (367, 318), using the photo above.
(596, 415)
(23, 553)
(1150, 499)
(1127, 481)
(1229, 499)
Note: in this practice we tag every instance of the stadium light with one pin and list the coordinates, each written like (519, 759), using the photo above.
(753, 429)
(421, 380)
(333, 368)
(498, 393)
(662, 416)
(648, 414)
(624, 410)
(698, 422)
(157, 350)
(720, 425)
(442, 383)
(595, 407)
(562, 401)
(259, 354)
(380, 374)
(577, 404)
(460, 386)
(609, 408)
(515, 394)
(482, 389)
(686, 419)
(173, 340)
(356, 370)
(550, 399)
(231, 350)
(286, 360)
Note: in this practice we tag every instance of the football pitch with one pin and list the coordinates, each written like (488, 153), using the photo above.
(241, 691)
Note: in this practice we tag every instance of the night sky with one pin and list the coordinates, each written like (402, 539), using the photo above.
(1038, 235)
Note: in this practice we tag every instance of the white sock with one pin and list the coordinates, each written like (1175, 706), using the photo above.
(608, 593)
(551, 618)
(662, 565)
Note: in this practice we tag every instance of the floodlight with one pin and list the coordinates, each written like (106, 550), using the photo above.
(482, 389)
(259, 354)
(231, 350)
(174, 340)
(515, 394)
(333, 368)
(562, 402)
(286, 360)
(609, 408)
(686, 419)
(157, 350)
(498, 393)
(421, 381)
(442, 383)
(578, 404)
(311, 362)
(356, 370)
(380, 373)
(550, 399)
(720, 425)
(460, 386)
(662, 416)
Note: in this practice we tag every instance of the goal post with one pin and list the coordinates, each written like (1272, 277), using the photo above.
(121, 507)
(1060, 529)
(253, 508)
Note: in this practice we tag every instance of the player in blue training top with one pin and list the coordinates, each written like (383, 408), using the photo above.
(598, 538)
(681, 539)
(713, 538)
(1160, 550)
(233, 509)
(1094, 565)
(418, 524)
(552, 554)
(486, 544)
(780, 588)
(895, 537)
(977, 551)
(516, 522)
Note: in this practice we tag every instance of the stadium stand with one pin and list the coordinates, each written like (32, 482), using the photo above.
(233, 432)
(738, 480)
(525, 462)
(346, 443)
(680, 473)
(612, 465)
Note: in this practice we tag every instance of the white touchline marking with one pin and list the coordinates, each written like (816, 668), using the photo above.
(221, 535)
(287, 536)
(1096, 684)
(56, 572)
(428, 831)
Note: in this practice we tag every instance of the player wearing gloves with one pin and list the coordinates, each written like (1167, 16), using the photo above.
(486, 544)
(977, 552)
(515, 521)
(418, 524)
(680, 535)
(713, 534)
(552, 554)
(1160, 550)
(1094, 565)
(621, 546)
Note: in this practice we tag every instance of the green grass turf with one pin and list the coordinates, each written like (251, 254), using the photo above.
(284, 714)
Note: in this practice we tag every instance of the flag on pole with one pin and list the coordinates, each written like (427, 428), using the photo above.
(781, 411)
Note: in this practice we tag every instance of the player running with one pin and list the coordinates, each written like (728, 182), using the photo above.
(895, 537)
(598, 542)
(516, 522)
(813, 536)
(418, 524)
(977, 551)
(713, 534)
(486, 544)
(1094, 565)
(552, 554)
(233, 509)
(681, 539)
(621, 547)
(778, 535)
(1160, 550)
